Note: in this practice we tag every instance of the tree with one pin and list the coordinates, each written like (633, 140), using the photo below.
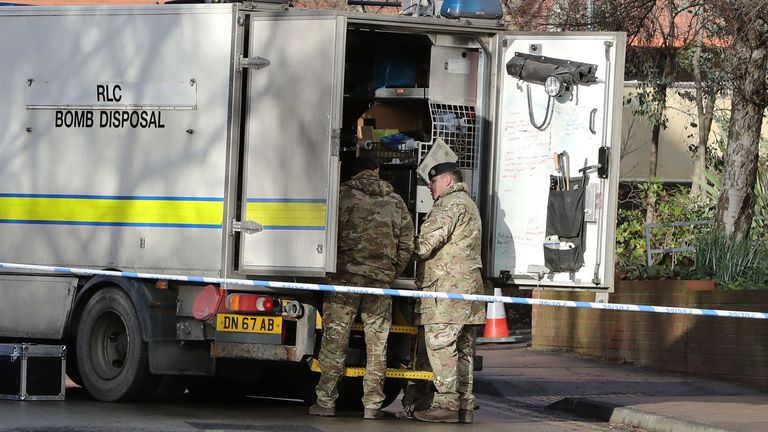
(704, 61)
(746, 22)
(657, 30)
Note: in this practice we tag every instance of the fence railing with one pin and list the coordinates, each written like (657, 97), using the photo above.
(674, 250)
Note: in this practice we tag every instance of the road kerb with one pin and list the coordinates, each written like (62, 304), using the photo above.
(617, 414)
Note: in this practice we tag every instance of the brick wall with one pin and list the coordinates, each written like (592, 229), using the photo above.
(727, 348)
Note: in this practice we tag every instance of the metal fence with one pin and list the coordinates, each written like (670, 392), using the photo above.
(650, 251)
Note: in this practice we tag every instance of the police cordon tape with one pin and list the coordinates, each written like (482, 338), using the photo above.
(253, 285)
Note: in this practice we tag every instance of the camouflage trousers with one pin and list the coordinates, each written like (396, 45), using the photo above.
(418, 393)
(450, 348)
(339, 312)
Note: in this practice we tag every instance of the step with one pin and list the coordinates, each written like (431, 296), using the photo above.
(390, 373)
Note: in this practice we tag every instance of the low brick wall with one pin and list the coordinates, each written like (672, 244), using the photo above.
(727, 348)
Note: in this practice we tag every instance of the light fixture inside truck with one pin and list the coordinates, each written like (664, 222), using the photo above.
(555, 87)
(558, 77)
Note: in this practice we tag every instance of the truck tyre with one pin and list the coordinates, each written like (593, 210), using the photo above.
(111, 355)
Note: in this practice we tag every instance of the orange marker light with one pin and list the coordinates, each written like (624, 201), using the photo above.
(249, 303)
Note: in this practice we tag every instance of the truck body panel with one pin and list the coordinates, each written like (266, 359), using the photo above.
(50, 298)
(119, 155)
(291, 145)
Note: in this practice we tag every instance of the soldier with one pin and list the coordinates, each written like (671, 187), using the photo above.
(375, 243)
(448, 247)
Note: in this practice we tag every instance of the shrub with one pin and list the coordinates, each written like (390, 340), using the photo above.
(732, 263)
(673, 204)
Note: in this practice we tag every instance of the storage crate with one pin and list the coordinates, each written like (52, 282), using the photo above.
(32, 372)
(390, 157)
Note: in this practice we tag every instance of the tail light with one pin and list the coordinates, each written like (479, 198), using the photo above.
(252, 303)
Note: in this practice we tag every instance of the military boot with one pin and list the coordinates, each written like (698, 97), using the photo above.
(466, 415)
(317, 410)
(437, 415)
(373, 414)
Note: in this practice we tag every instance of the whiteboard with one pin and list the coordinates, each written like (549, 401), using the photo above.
(579, 125)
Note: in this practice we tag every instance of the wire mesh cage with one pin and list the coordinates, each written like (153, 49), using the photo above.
(391, 154)
(456, 125)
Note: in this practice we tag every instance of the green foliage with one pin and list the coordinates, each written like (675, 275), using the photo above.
(713, 183)
(673, 204)
(732, 263)
(712, 62)
(683, 270)
(650, 103)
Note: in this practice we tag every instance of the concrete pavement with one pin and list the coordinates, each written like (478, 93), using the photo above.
(620, 393)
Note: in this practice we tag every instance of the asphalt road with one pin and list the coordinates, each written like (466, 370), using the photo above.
(79, 413)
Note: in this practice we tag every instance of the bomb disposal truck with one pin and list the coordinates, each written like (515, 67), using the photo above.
(209, 140)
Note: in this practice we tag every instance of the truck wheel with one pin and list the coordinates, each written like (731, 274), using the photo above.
(111, 355)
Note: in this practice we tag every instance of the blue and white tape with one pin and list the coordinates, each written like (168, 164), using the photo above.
(253, 285)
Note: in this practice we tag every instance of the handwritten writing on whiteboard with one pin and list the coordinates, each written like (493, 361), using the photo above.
(524, 150)
(570, 129)
(525, 163)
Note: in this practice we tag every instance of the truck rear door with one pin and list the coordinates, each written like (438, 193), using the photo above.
(558, 111)
(290, 181)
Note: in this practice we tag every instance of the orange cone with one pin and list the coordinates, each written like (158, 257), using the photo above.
(495, 320)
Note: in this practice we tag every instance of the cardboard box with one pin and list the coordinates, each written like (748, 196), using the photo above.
(32, 372)
(401, 117)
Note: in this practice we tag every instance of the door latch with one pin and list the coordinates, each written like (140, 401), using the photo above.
(252, 62)
(247, 227)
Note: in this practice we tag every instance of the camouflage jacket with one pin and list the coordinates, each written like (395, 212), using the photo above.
(375, 229)
(448, 248)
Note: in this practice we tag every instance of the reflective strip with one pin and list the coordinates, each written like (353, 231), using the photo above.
(394, 329)
(390, 373)
(112, 210)
(258, 285)
(288, 214)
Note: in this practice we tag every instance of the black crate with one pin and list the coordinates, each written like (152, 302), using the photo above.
(32, 372)
(390, 157)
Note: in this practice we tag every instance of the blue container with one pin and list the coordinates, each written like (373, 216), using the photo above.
(396, 72)
(483, 9)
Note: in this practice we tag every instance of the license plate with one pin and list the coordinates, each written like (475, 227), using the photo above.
(249, 324)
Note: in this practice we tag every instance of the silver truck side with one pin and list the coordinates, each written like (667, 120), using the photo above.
(209, 140)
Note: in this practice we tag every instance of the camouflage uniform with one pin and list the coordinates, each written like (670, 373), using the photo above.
(449, 247)
(418, 393)
(375, 244)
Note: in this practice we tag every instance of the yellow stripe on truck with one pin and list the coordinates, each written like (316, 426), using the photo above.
(287, 214)
(96, 210)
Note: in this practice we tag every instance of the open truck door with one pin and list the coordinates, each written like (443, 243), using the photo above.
(291, 163)
(556, 163)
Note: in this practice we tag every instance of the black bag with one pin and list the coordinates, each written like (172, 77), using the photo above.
(565, 219)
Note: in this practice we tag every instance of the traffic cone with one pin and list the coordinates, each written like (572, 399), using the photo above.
(496, 329)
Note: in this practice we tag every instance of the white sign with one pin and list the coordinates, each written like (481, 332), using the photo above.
(112, 95)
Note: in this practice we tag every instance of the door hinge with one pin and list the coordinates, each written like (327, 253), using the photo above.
(247, 227)
(335, 142)
(252, 62)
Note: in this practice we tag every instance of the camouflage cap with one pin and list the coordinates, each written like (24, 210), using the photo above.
(442, 168)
